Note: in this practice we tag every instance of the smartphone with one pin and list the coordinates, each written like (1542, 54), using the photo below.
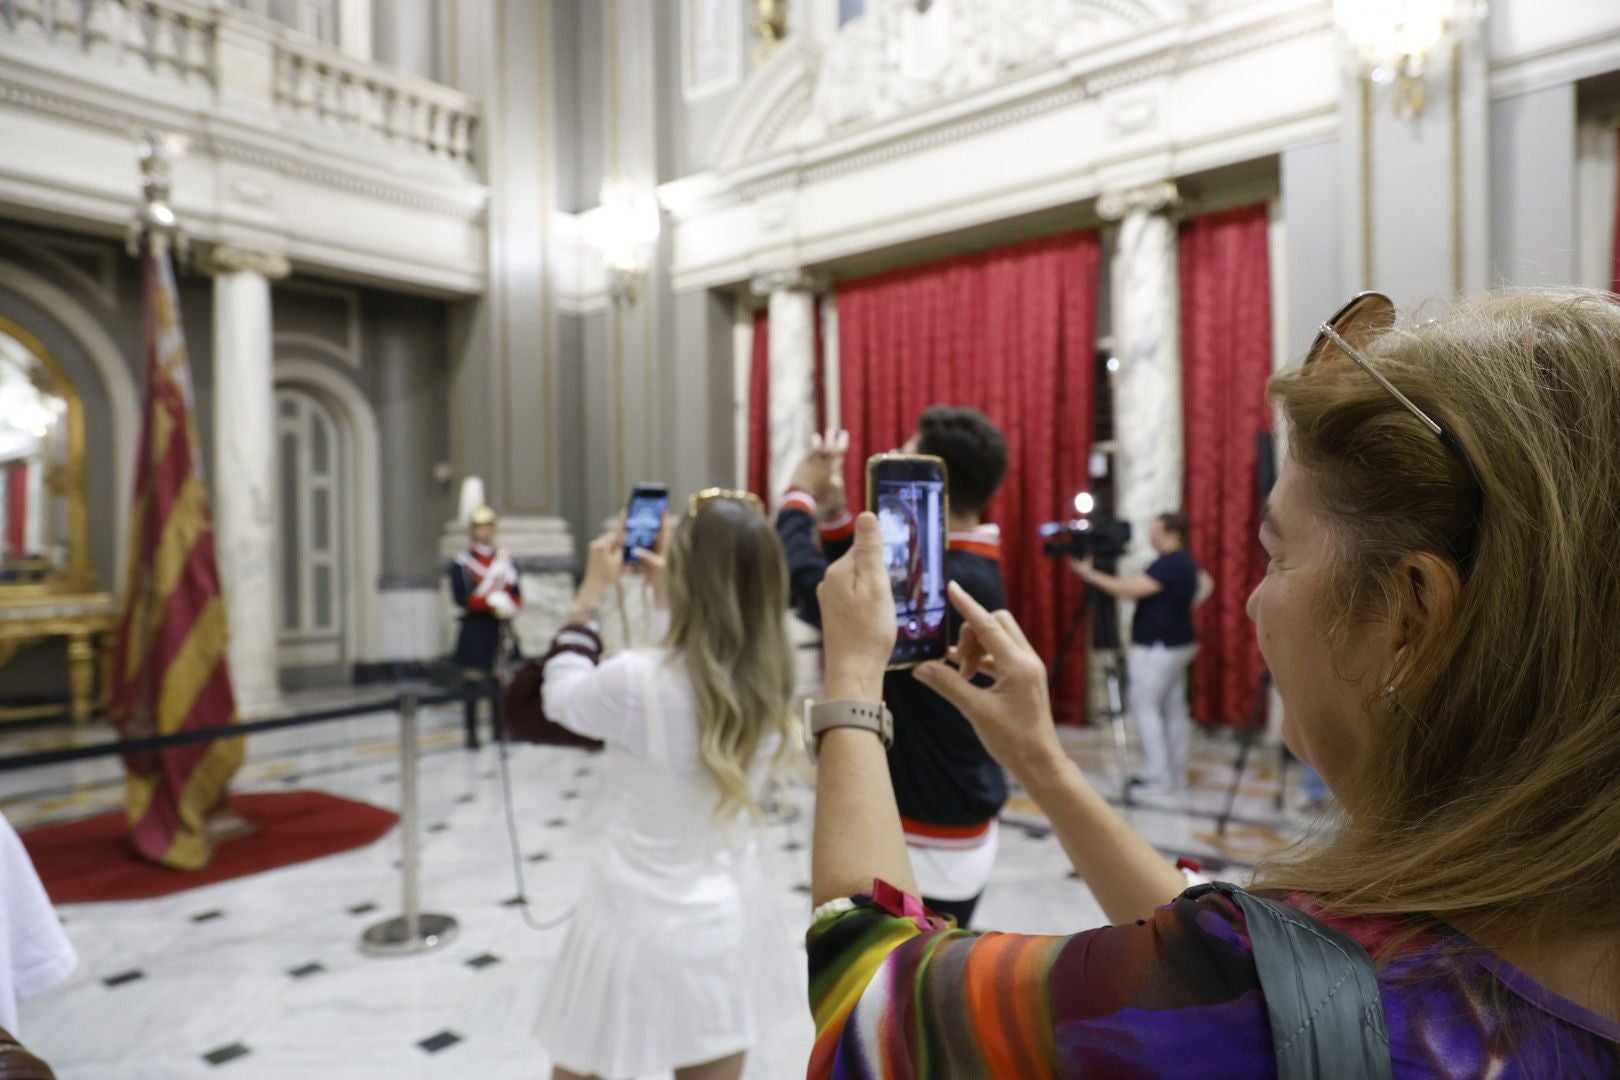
(644, 519)
(908, 494)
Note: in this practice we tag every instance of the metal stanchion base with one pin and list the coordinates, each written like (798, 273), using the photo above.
(392, 937)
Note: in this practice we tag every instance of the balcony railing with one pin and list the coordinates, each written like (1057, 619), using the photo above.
(220, 51)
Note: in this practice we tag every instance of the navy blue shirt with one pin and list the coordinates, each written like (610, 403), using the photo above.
(1165, 618)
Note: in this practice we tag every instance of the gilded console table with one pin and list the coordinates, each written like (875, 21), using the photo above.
(83, 618)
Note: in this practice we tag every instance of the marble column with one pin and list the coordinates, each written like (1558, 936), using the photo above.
(244, 474)
(1146, 317)
(792, 299)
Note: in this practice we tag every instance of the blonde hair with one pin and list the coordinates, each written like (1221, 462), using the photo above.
(728, 588)
(1493, 788)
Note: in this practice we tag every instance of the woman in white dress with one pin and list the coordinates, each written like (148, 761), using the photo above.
(669, 956)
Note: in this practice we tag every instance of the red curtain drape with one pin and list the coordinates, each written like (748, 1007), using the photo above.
(759, 411)
(16, 493)
(1226, 358)
(1010, 331)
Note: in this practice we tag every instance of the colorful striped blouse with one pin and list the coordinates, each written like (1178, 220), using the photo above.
(896, 993)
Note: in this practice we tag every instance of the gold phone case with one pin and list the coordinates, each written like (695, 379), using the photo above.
(945, 501)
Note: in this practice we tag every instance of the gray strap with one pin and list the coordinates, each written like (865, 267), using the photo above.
(1321, 990)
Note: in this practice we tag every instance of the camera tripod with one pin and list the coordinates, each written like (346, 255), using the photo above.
(1105, 643)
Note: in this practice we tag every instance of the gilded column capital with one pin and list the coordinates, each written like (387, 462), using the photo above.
(1157, 198)
(791, 279)
(231, 259)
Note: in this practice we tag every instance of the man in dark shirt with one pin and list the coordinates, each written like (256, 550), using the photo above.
(1163, 644)
(948, 787)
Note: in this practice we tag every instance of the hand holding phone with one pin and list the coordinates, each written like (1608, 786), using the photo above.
(644, 519)
(908, 494)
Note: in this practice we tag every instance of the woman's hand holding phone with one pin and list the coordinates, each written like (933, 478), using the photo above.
(857, 617)
(1013, 717)
(653, 566)
(604, 564)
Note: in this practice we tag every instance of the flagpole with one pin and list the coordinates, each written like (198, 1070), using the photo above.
(178, 806)
(155, 229)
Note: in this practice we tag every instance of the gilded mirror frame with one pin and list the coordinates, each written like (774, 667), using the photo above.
(64, 481)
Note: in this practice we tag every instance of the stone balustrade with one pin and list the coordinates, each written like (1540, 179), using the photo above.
(230, 53)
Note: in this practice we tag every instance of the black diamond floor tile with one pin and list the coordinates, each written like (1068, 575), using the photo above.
(515, 901)
(314, 967)
(802, 888)
(556, 823)
(207, 916)
(221, 1055)
(483, 960)
(467, 798)
(123, 977)
(363, 909)
(438, 826)
(539, 856)
(434, 1043)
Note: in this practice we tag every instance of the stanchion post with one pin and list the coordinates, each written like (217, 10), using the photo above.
(413, 931)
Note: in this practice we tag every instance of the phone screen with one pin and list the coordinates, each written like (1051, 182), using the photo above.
(644, 519)
(908, 496)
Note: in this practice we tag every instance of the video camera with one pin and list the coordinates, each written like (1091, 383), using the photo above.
(1091, 535)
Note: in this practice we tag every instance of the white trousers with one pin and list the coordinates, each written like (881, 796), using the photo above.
(1159, 703)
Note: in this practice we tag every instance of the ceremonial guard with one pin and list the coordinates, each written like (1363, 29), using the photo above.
(484, 582)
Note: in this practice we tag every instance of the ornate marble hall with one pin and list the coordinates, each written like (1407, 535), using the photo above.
(431, 254)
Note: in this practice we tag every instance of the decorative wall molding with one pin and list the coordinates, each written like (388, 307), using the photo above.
(895, 57)
(59, 253)
(346, 351)
(1144, 93)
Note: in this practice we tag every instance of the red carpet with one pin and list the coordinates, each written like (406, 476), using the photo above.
(94, 860)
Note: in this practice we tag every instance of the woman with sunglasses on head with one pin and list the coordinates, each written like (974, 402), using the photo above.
(1441, 616)
(671, 959)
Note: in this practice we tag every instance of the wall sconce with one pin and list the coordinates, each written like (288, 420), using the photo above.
(1393, 41)
(624, 231)
(769, 27)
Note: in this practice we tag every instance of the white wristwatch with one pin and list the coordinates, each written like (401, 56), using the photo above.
(821, 716)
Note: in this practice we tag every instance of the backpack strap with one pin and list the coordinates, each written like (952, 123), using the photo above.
(1321, 991)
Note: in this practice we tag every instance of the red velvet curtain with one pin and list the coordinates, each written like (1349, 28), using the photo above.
(759, 411)
(16, 493)
(1226, 358)
(1010, 331)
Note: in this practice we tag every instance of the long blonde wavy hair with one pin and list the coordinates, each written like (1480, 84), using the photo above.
(1494, 788)
(728, 596)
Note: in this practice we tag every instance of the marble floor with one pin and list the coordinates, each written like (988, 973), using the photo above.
(262, 977)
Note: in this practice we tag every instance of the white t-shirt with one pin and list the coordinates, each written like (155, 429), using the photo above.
(35, 953)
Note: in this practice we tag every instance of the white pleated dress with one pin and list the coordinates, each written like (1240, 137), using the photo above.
(674, 955)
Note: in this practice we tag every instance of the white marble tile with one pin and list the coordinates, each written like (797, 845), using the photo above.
(226, 980)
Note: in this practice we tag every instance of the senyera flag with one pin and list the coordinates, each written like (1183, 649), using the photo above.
(169, 670)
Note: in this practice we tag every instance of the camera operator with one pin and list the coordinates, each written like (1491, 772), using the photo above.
(1163, 644)
(950, 790)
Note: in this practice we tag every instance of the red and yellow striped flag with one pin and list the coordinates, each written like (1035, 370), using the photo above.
(169, 671)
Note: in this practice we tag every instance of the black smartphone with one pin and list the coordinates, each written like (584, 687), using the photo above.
(908, 494)
(644, 519)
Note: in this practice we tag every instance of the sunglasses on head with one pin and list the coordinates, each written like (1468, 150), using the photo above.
(704, 498)
(1346, 333)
